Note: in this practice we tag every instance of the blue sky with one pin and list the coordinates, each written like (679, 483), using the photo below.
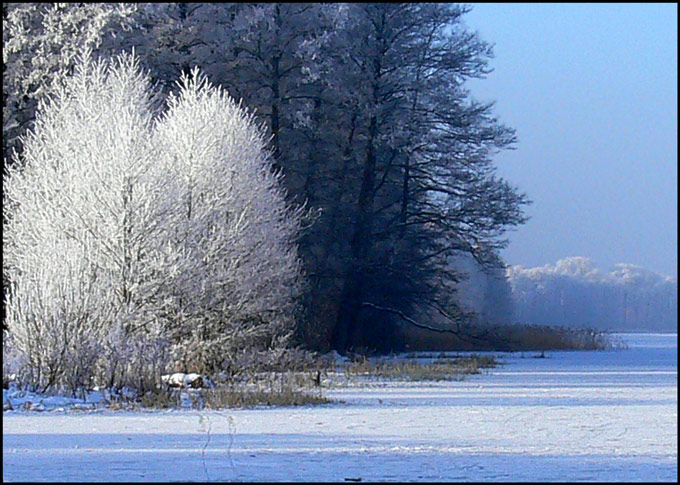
(592, 91)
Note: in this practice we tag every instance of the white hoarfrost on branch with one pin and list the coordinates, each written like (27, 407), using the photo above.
(129, 233)
(41, 44)
(230, 235)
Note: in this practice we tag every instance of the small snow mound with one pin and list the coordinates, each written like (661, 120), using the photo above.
(182, 380)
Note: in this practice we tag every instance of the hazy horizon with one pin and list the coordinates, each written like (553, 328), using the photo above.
(597, 266)
(592, 91)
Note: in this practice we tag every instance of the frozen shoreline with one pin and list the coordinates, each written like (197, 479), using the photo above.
(589, 416)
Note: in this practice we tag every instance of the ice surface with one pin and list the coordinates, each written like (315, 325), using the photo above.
(572, 416)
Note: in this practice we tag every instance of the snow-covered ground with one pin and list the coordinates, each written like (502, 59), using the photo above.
(572, 416)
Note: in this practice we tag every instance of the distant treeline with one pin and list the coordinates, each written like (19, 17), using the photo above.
(573, 293)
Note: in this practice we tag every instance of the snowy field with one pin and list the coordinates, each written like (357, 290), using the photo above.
(572, 416)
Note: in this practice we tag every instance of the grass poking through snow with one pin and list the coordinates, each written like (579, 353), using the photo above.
(414, 370)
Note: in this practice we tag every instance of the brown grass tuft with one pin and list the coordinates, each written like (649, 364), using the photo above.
(455, 368)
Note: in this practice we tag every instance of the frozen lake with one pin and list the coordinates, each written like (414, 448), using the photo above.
(572, 416)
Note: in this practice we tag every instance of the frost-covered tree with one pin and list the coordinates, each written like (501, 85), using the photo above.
(370, 122)
(80, 208)
(127, 231)
(41, 43)
(236, 277)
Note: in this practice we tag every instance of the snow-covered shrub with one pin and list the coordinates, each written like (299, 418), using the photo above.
(11, 361)
(127, 231)
(135, 360)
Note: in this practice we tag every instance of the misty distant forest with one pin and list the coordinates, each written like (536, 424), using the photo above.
(207, 179)
(575, 293)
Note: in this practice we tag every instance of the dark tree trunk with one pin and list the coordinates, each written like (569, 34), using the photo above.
(345, 331)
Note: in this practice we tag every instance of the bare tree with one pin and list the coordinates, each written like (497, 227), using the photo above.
(427, 188)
